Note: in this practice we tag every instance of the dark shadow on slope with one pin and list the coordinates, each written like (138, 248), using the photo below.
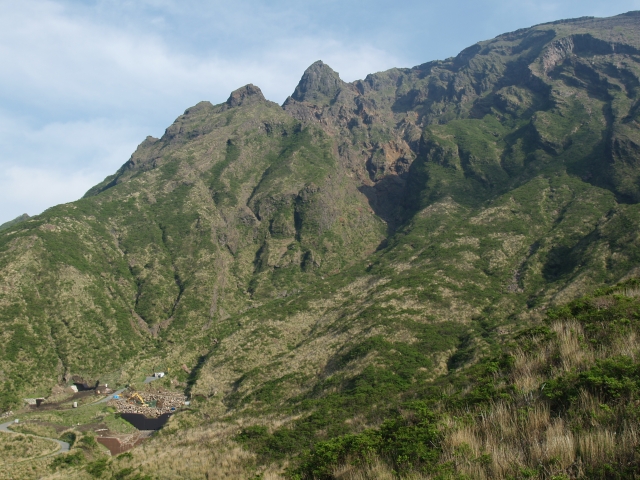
(561, 261)
(195, 373)
(386, 198)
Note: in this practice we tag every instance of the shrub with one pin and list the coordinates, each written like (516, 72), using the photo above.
(68, 460)
(97, 468)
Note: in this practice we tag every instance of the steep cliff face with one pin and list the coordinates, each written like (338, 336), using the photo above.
(477, 189)
(565, 90)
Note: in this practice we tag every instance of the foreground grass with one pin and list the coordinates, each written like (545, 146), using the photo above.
(17, 448)
(560, 402)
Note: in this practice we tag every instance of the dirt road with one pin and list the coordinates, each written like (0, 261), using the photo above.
(64, 446)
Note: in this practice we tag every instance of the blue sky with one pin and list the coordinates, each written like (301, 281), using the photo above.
(83, 82)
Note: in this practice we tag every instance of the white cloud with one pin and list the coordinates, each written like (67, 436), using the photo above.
(32, 190)
(59, 162)
(78, 95)
(82, 83)
(74, 144)
(74, 63)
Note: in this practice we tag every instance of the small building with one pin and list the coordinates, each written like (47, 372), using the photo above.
(158, 374)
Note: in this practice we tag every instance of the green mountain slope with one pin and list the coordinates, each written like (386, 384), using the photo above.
(15, 221)
(320, 264)
(235, 204)
(560, 401)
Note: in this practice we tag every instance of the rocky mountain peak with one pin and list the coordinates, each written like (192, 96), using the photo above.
(246, 95)
(319, 84)
(362, 246)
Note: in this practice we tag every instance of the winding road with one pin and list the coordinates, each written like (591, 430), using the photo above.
(64, 446)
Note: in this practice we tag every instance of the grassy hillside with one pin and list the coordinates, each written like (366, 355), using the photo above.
(376, 280)
(205, 225)
(15, 221)
(558, 400)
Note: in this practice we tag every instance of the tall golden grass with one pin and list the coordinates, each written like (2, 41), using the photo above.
(506, 439)
(518, 438)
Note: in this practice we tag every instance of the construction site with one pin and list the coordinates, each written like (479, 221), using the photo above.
(150, 404)
(119, 419)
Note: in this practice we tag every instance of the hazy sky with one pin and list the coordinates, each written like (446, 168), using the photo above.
(83, 82)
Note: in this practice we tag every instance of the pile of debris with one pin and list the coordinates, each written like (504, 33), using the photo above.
(152, 405)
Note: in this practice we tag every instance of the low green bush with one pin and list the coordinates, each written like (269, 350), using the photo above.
(98, 467)
(68, 460)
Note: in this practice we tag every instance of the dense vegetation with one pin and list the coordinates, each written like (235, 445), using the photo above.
(378, 279)
(15, 221)
(561, 401)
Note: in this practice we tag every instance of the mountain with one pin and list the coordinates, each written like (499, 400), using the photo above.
(318, 266)
(16, 220)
